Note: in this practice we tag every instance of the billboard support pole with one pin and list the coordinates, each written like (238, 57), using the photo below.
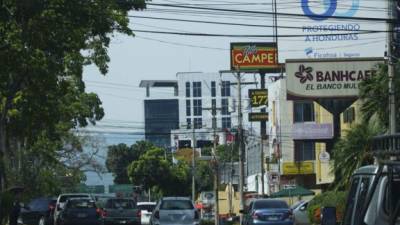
(263, 130)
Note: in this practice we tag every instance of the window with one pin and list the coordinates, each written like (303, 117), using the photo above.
(225, 88)
(197, 108)
(187, 89)
(226, 122)
(214, 107)
(196, 89)
(213, 90)
(198, 123)
(188, 123)
(176, 205)
(303, 112)
(187, 107)
(304, 150)
(225, 106)
(349, 115)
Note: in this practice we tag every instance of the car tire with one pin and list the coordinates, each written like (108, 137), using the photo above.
(42, 221)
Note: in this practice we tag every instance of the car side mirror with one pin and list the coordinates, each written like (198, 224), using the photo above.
(303, 208)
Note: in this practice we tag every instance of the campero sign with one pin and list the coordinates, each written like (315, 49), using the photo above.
(254, 56)
(328, 78)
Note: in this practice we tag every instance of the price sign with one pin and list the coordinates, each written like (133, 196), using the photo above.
(258, 97)
(258, 117)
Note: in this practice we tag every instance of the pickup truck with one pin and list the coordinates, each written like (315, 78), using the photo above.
(120, 211)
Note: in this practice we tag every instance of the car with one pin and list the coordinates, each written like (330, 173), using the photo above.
(175, 211)
(146, 209)
(268, 212)
(120, 211)
(39, 211)
(80, 211)
(300, 213)
(62, 199)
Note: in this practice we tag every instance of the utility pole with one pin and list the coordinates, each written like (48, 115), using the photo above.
(215, 162)
(241, 144)
(193, 163)
(263, 130)
(390, 54)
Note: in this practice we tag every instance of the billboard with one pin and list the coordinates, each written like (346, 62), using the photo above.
(332, 29)
(254, 56)
(327, 78)
(292, 168)
(258, 116)
(258, 97)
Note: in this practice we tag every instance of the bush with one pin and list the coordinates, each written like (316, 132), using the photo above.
(327, 199)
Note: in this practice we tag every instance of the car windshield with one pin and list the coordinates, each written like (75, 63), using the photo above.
(149, 207)
(176, 205)
(270, 205)
(80, 204)
(120, 203)
(64, 198)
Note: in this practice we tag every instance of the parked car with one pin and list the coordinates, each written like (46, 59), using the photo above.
(80, 211)
(300, 213)
(120, 211)
(39, 211)
(268, 212)
(146, 209)
(62, 199)
(175, 210)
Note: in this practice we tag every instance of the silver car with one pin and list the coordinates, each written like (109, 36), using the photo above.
(300, 213)
(175, 211)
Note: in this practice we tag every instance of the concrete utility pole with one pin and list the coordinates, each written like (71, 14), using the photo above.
(392, 106)
(263, 130)
(193, 163)
(241, 144)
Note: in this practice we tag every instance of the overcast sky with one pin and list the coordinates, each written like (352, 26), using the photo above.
(161, 56)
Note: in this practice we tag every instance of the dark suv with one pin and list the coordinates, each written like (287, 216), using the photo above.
(38, 212)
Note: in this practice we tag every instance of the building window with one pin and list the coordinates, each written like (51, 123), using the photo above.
(349, 115)
(214, 112)
(225, 106)
(303, 112)
(187, 89)
(196, 89)
(187, 107)
(198, 123)
(213, 89)
(188, 123)
(226, 88)
(226, 122)
(304, 150)
(197, 108)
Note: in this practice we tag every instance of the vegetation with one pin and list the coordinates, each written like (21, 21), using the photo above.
(326, 199)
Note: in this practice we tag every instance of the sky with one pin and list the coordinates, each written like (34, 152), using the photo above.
(150, 56)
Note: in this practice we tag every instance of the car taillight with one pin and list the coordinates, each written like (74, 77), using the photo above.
(104, 213)
(196, 215)
(98, 211)
(139, 213)
(51, 207)
(157, 214)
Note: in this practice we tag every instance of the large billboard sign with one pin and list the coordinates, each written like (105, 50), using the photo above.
(258, 97)
(254, 56)
(329, 78)
(332, 29)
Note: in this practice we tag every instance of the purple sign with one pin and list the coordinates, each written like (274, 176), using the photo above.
(312, 131)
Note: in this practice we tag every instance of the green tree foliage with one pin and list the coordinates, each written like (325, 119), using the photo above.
(120, 156)
(204, 176)
(153, 170)
(327, 199)
(228, 153)
(374, 94)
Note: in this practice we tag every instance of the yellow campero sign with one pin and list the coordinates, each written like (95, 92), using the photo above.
(292, 168)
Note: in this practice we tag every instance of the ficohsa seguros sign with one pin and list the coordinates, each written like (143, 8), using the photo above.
(328, 78)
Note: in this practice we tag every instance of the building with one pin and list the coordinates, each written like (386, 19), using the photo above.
(161, 113)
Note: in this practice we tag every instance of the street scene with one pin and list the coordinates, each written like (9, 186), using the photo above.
(199, 112)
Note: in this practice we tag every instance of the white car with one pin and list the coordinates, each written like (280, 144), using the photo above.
(175, 211)
(300, 213)
(62, 199)
(146, 209)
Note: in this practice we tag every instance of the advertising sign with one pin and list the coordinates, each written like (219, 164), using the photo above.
(318, 31)
(328, 78)
(254, 57)
(292, 168)
(258, 97)
(258, 117)
(315, 131)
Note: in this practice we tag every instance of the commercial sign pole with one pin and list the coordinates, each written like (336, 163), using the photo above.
(263, 133)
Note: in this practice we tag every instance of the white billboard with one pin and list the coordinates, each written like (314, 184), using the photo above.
(319, 32)
(328, 78)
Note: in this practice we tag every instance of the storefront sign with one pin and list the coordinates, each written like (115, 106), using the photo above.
(292, 168)
(328, 78)
(312, 131)
(254, 56)
(258, 117)
(258, 97)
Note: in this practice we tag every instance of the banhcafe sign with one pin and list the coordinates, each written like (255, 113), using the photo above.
(328, 78)
(254, 56)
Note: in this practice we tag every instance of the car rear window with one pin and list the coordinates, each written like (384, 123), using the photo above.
(176, 204)
(80, 204)
(149, 208)
(120, 203)
(270, 205)
(64, 198)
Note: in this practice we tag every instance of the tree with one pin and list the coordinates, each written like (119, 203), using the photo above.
(204, 176)
(228, 153)
(120, 156)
